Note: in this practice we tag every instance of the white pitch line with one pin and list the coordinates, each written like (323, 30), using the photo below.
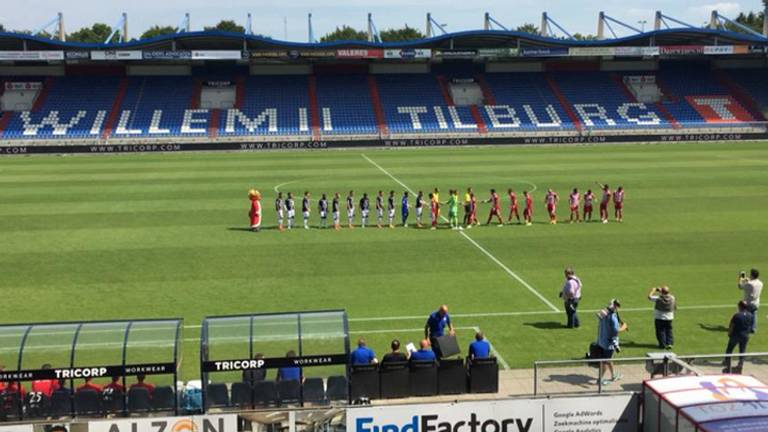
(277, 188)
(495, 353)
(482, 249)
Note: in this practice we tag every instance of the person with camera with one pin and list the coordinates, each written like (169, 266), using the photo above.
(752, 288)
(608, 329)
(664, 308)
(571, 295)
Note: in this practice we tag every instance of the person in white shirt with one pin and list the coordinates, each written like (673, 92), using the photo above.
(664, 308)
(571, 295)
(752, 288)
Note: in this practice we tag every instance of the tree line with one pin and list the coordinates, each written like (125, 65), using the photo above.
(99, 32)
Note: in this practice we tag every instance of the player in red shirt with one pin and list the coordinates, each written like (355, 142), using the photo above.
(513, 206)
(255, 212)
(495, 208)
(618, 204)
(573, 202)
(141, 384)
(473, 216)
(89, 385)
(589, 198)
(606, 198)
(528, 210)
(45, 386)
(551, 199)
(115, 385)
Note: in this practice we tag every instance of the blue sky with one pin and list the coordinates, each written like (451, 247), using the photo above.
(268, 15)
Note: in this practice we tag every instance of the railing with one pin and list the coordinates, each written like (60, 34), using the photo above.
(587, 375)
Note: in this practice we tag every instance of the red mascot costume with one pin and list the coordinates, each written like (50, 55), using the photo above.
(255, 213)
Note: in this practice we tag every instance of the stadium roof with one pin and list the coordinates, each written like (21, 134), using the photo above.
(202, 40)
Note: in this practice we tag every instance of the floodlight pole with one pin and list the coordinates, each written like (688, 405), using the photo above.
(714, 22)
(187, 25)
(62, 35)
(657, 21)
(249, 28)
(544, 25)
(765, 21)
(487, 22)
(309, 28)
(125, 27)
(601, 25)
(429, 25)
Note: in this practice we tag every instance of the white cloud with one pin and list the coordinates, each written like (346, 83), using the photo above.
(724, 8)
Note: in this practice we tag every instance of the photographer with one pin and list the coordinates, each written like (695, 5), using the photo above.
(608, 329)
(571, 295)
(664, 308)
(752, 288)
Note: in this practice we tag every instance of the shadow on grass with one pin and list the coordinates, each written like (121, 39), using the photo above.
(713, 328)
(246, 229)
(631, 344)
(548, 325)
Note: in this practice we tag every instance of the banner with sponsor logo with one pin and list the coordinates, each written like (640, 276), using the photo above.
(618, 413)
(293, 54)
(166, 55)
(592, 51)
(274, 362)
(23, 85)
(201, 423)
(360, 53)
(456, 53)
(681, 50)
(17, 428)
(216, 55)
(88, 372)
(116, 55)
(78, 55)
(636, 51)
(543, 52)
(31, 55)
(497, 52)
(408, 53)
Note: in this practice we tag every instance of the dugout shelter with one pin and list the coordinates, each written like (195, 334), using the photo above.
(65, 354)
(242, 356)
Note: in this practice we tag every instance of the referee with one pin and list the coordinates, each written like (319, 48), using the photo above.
(436, 326)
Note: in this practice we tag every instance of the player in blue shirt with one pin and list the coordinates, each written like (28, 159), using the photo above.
(290, 373)
(424, 353)
(436, 325)
(404, 209)
(362, 355)
(480, 348)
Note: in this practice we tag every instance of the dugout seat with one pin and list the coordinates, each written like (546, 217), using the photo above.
(139, 400)
(87, 403)
(10, 405)
(423, 378)
(395, 380)
(163, 399)
(265, 393)
(216, 395)
(112, 400)
(242, 395)
(289, 391)
(37, 405)
(451, 377)
(337, 388)
(61, 403)
(314, 391)
(484, 376)
(364, 382)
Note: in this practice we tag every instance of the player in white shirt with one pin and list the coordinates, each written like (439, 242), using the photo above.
(351, 209)
(574, 199)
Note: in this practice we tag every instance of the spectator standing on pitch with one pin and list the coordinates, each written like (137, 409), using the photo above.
(479, 349)
(436, 326)
(424, 353)
(664, 308)
(739, 331)
(394, 356)
(571, 295)
(608, 329)
(752, 288)
(362, 355)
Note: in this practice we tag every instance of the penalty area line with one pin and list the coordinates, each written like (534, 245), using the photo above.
(506, 269)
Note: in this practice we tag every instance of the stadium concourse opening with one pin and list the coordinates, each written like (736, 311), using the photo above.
(89, 368)
(239, 353)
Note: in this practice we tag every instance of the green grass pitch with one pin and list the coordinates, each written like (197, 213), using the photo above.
(161, 235)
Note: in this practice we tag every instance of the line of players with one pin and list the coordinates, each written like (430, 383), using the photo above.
(386, 206)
